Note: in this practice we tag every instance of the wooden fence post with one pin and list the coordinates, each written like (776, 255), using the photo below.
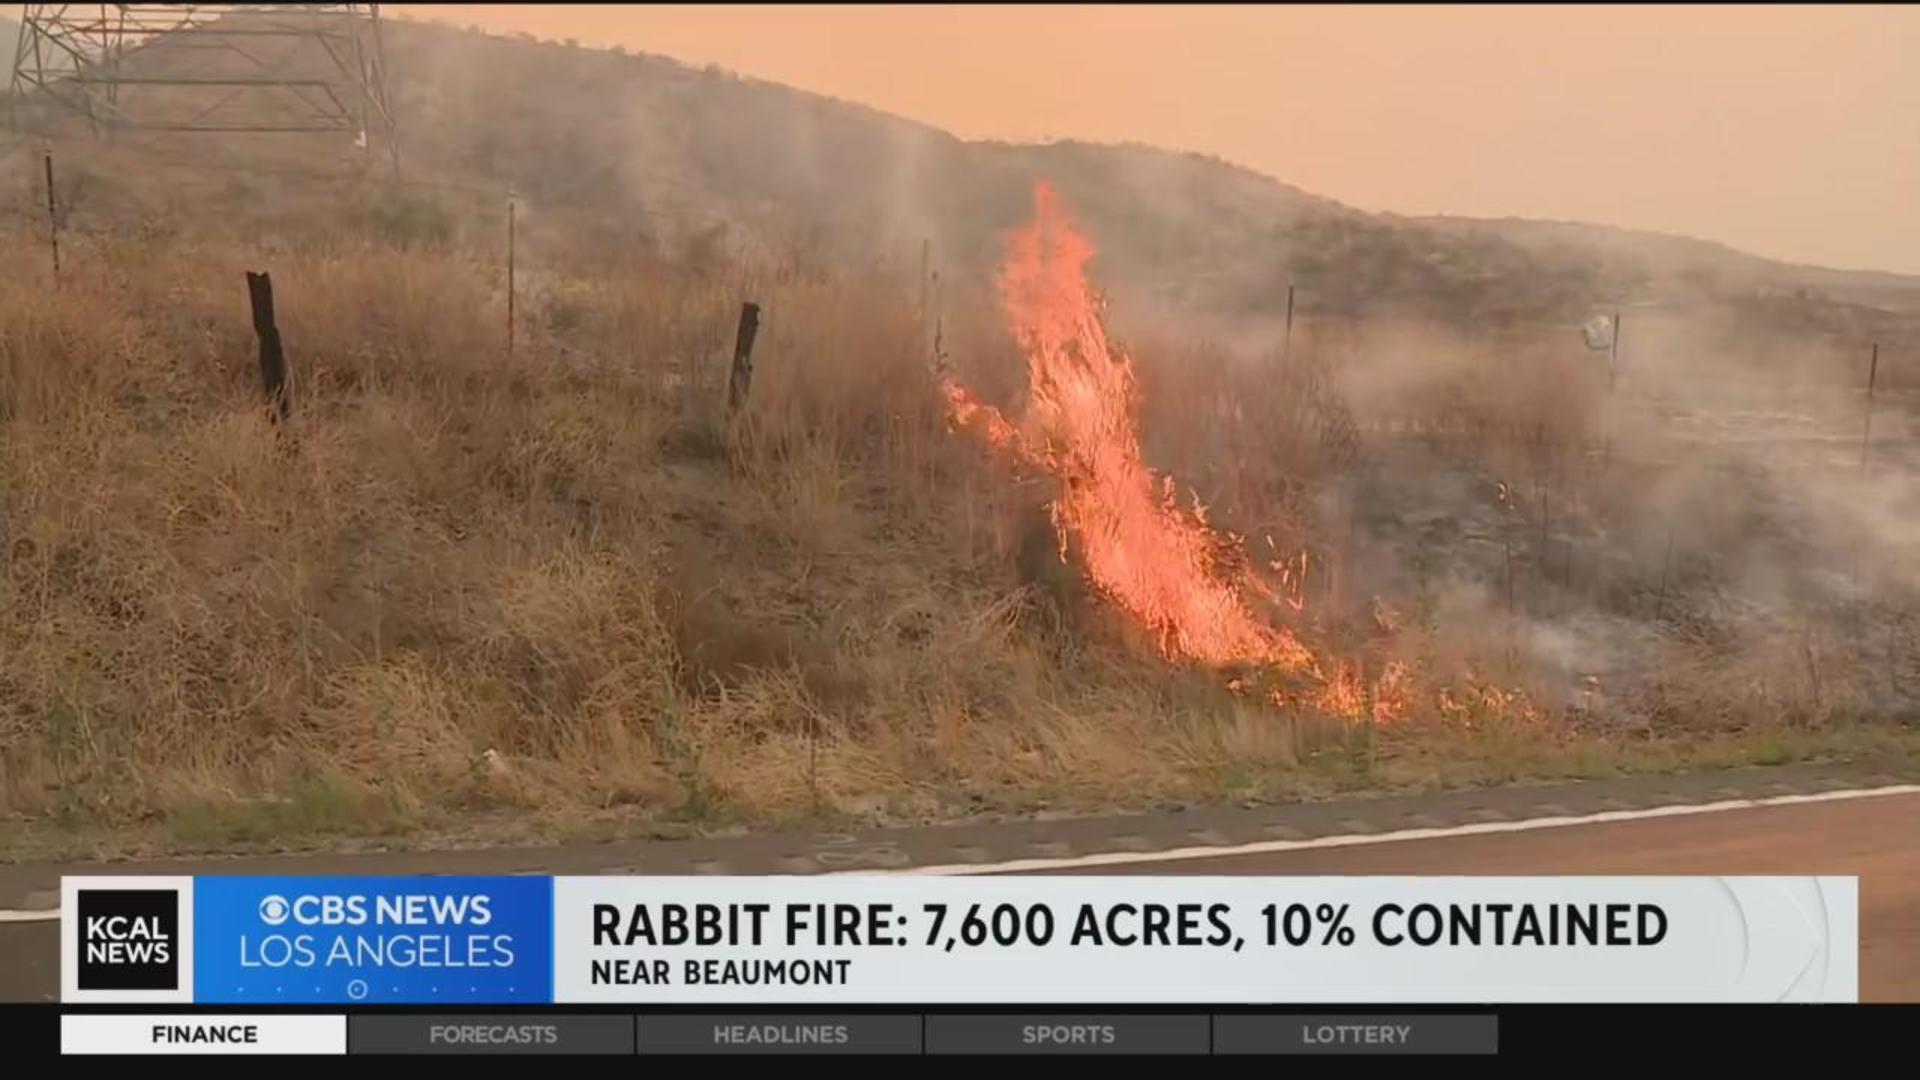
(1613, 352)
(511, 200)
(273, 360)
(53, 220)
(741, 380)
(1873, 376)
(1666, 567)
(1286, 346)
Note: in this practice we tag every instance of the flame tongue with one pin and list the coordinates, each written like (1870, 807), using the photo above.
(1162, 565)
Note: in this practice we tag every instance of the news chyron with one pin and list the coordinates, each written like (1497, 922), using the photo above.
(953, 940)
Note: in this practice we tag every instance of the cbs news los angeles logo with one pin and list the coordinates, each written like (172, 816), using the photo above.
(126, 939)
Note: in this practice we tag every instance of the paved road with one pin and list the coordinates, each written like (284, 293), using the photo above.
(1876, 838)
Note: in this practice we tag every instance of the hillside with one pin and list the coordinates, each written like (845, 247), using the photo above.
(660, 145)
(483, 584)
(1203, 237)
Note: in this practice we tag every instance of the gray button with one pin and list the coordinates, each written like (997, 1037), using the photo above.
(381, 1033)
(1242, 1034)
(1017, 1034)
(745, 1033)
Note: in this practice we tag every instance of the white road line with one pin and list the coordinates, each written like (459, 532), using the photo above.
(47, 915)
(1262, 847)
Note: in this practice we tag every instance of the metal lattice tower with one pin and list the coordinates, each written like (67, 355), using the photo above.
(217, 68)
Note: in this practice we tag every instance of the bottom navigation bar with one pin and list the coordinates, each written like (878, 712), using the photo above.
(745, 1033)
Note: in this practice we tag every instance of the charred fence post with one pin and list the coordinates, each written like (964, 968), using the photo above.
(1512, 645)
(1286, 345)
(511, 235)
(926, 292)
(813, 761)
(1507, 549)
(1666, 569)
(1895, 622)
(273, 360)
(1873, 376)
(741, 379)
(53, 219)
(1866, 441)
(1613, 352)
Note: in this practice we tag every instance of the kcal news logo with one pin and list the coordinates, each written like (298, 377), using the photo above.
(129, 939)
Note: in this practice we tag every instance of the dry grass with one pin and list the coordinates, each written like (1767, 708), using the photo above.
(562, 585)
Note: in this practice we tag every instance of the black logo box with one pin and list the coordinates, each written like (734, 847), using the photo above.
(156, 909)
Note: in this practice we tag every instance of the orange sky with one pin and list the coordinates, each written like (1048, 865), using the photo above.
(1792, 132)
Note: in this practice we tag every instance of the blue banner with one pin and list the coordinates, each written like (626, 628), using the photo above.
(380, 940)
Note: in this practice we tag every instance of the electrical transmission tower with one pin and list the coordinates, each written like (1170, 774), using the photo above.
(220, 68)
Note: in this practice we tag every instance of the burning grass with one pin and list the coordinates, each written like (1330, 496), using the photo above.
(1159, 562)
(558, 590)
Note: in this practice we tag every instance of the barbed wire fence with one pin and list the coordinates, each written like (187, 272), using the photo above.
(93, 194)
(26, 195)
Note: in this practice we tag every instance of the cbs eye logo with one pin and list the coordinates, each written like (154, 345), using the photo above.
(275, 910)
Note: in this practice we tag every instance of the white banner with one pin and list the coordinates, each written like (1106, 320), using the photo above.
(1219, 940)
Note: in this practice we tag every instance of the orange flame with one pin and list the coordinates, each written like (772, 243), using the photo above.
(1161, 564)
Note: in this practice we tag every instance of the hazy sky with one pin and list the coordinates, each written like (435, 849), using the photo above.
(1792, 132)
